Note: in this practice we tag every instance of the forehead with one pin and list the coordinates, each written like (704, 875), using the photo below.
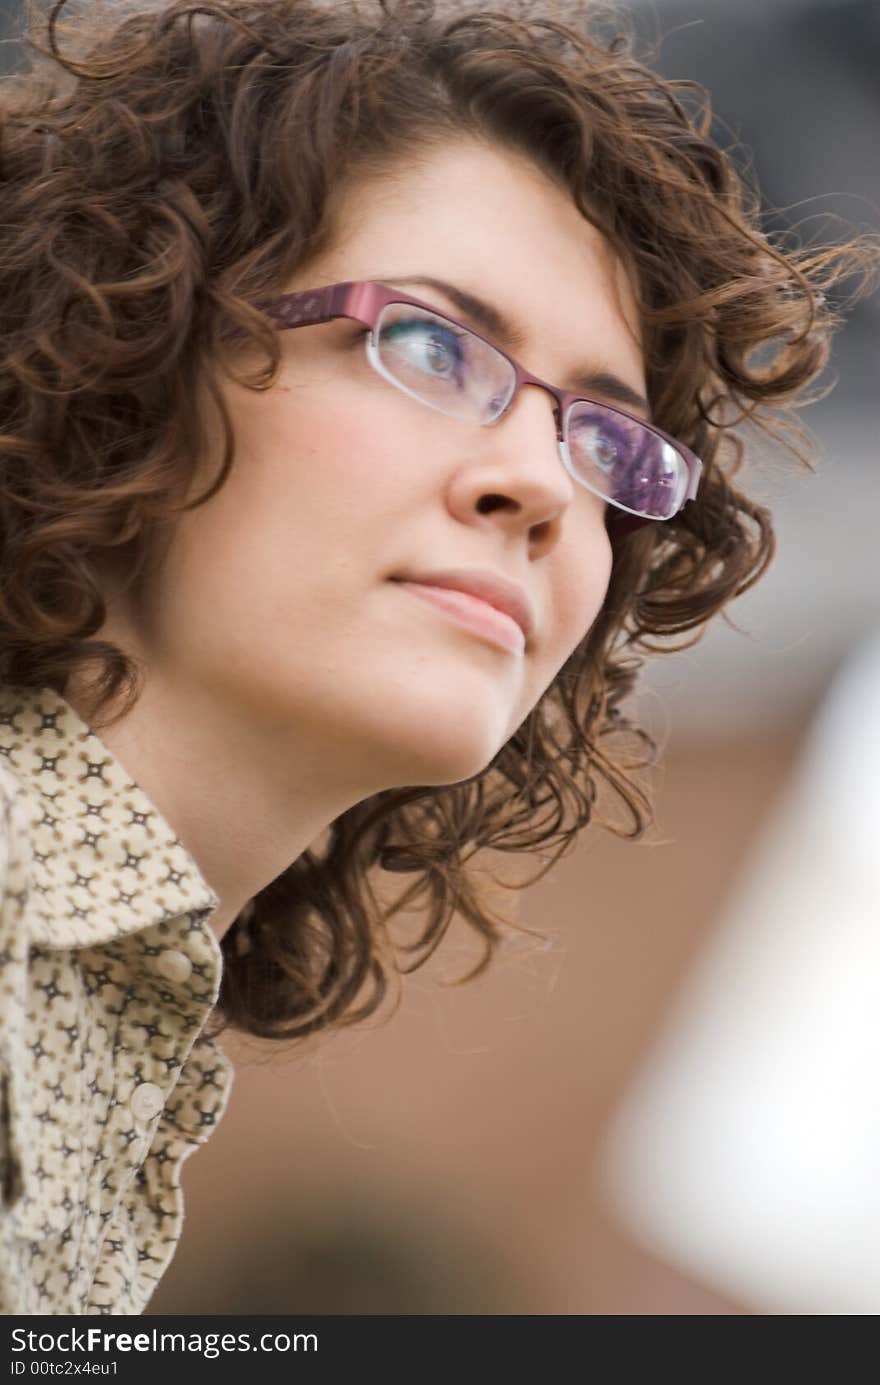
(488, 219)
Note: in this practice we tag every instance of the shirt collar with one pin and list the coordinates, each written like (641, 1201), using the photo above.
(102, 861)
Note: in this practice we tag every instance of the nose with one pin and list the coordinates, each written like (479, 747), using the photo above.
(512, 477)
(526, 440)
(536, 389)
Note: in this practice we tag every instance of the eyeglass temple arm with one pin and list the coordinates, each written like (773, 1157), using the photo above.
(314, 306)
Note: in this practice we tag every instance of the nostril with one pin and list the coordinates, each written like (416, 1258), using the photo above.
(488, 503)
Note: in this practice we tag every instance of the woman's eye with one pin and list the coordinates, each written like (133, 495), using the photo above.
(610, 444)
(605, 451)
(599, 443)
(429, 347)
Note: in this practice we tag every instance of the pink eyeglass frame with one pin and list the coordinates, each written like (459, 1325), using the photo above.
(362, 301)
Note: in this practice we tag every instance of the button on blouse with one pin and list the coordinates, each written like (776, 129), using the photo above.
(147, 1101)
(174, 966)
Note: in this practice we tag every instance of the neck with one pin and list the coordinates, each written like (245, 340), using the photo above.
(246, 794)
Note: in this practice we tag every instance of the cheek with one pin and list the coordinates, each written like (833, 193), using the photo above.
(300, 521)
(318, 459)
(583, 585)
(577, 600)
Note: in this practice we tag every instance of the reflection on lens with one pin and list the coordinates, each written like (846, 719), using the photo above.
(421, 350)
(617, 457)
(442, 364)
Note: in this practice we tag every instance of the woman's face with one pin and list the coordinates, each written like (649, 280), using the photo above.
(276, 597)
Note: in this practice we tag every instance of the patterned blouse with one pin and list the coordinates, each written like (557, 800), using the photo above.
(108, 972)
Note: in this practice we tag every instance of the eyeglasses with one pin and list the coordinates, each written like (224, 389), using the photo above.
(633, 465)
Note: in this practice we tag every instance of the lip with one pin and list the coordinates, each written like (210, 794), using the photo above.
(488, 587)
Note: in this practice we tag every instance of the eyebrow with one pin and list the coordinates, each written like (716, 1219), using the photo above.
(495, 324)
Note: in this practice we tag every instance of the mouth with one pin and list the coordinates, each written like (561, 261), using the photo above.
(472, 613)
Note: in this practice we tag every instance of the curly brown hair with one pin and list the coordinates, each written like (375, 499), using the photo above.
(160, 174)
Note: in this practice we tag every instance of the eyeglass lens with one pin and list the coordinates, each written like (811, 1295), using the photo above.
(450, 369)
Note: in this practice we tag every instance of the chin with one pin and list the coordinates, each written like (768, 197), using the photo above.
(438, 763)
(436, 721)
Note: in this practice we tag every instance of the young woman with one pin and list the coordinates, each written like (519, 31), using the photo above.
(367, 385)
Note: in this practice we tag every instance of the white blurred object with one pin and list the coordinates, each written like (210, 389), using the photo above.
(747, 1150)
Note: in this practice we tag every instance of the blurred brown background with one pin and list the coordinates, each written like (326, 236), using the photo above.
(442, 1163)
